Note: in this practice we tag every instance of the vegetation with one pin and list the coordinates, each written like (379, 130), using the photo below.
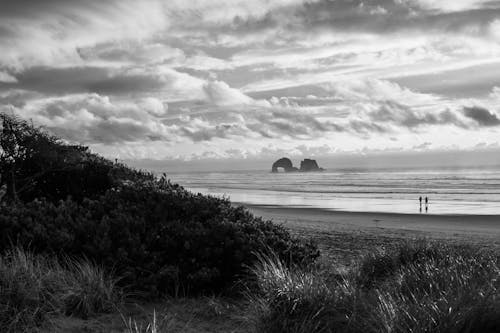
(158, 236)
(87, 221)
(160, 241)
(421, 287)
(35, 287)
(61, 201)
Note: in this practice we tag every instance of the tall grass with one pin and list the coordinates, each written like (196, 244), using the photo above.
(420, 287)
(35, 287)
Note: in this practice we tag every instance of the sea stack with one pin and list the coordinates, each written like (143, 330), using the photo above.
(306, 165)
(284, 163)
(309, 165)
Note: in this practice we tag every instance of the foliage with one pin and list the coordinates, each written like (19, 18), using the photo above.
(421, 287)
(159, 237)
(35, 164)
(33, 287)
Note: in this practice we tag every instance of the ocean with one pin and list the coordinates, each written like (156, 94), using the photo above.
(450, 191)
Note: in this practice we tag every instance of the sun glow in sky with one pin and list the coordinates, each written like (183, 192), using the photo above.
(232, 79)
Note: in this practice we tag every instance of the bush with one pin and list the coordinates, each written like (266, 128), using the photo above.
(35, 164)
(33, 287)
(159, 237)
(421, 287)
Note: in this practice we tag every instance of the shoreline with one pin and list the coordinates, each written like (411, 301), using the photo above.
(344, 236)
(333, 211)
(419, 222)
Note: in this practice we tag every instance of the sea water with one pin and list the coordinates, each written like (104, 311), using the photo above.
(464, 191)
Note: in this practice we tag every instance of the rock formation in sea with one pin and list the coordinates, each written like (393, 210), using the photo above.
(305, 166)
(284, 163)
(309, 165)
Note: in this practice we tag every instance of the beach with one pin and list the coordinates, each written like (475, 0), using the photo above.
(351, 212)
(343, 235)
(463, 191)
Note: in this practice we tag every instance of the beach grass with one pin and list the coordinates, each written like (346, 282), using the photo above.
(419, 287)
(34, 288)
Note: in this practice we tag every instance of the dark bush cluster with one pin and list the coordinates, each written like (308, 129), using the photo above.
(157, 239)
(158, 236)
(35, 164)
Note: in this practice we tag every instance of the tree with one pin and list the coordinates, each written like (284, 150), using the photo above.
(29, 154)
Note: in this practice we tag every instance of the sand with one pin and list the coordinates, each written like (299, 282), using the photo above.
(344, 236)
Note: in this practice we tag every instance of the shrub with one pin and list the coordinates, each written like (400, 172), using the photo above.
(160, 238)
(35, 164)
(33, 287)
(421, 287)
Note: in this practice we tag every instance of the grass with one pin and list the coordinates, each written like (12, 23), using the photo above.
(416, 287)
(419, 287)
(190, 315)
(34, 288)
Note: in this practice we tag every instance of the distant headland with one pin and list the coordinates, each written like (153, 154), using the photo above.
(307, 165)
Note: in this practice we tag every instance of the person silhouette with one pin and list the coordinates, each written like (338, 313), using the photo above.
(426, 204)
(420, 200)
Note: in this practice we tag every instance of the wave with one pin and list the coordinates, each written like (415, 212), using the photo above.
(452, 192)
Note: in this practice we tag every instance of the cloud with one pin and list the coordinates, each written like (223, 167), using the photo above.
(393, 15)
(402, 115)
(7, 78)
(131, 52)
(101, 80)
(153, 106)
(92, 118)
(290, 123)
(450, 6)
(423, 146)
(482, 116)
(199, 130)
(50, 32)
(220, 94)
(203, 77)
(495, 93)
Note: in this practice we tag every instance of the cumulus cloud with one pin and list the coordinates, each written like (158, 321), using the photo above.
(402, 115)
(482, 116)
(92, 118)
(220, 94)
(153, 106)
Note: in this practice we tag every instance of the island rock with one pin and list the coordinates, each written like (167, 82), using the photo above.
(309, 165)
(306, 165)
(284, 163)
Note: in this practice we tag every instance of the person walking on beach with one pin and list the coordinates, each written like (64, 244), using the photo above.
(426, 204)
(420, 200)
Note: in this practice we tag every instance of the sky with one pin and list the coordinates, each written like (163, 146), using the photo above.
(218, 82)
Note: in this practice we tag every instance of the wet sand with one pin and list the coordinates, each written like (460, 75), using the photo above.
(345, 235)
